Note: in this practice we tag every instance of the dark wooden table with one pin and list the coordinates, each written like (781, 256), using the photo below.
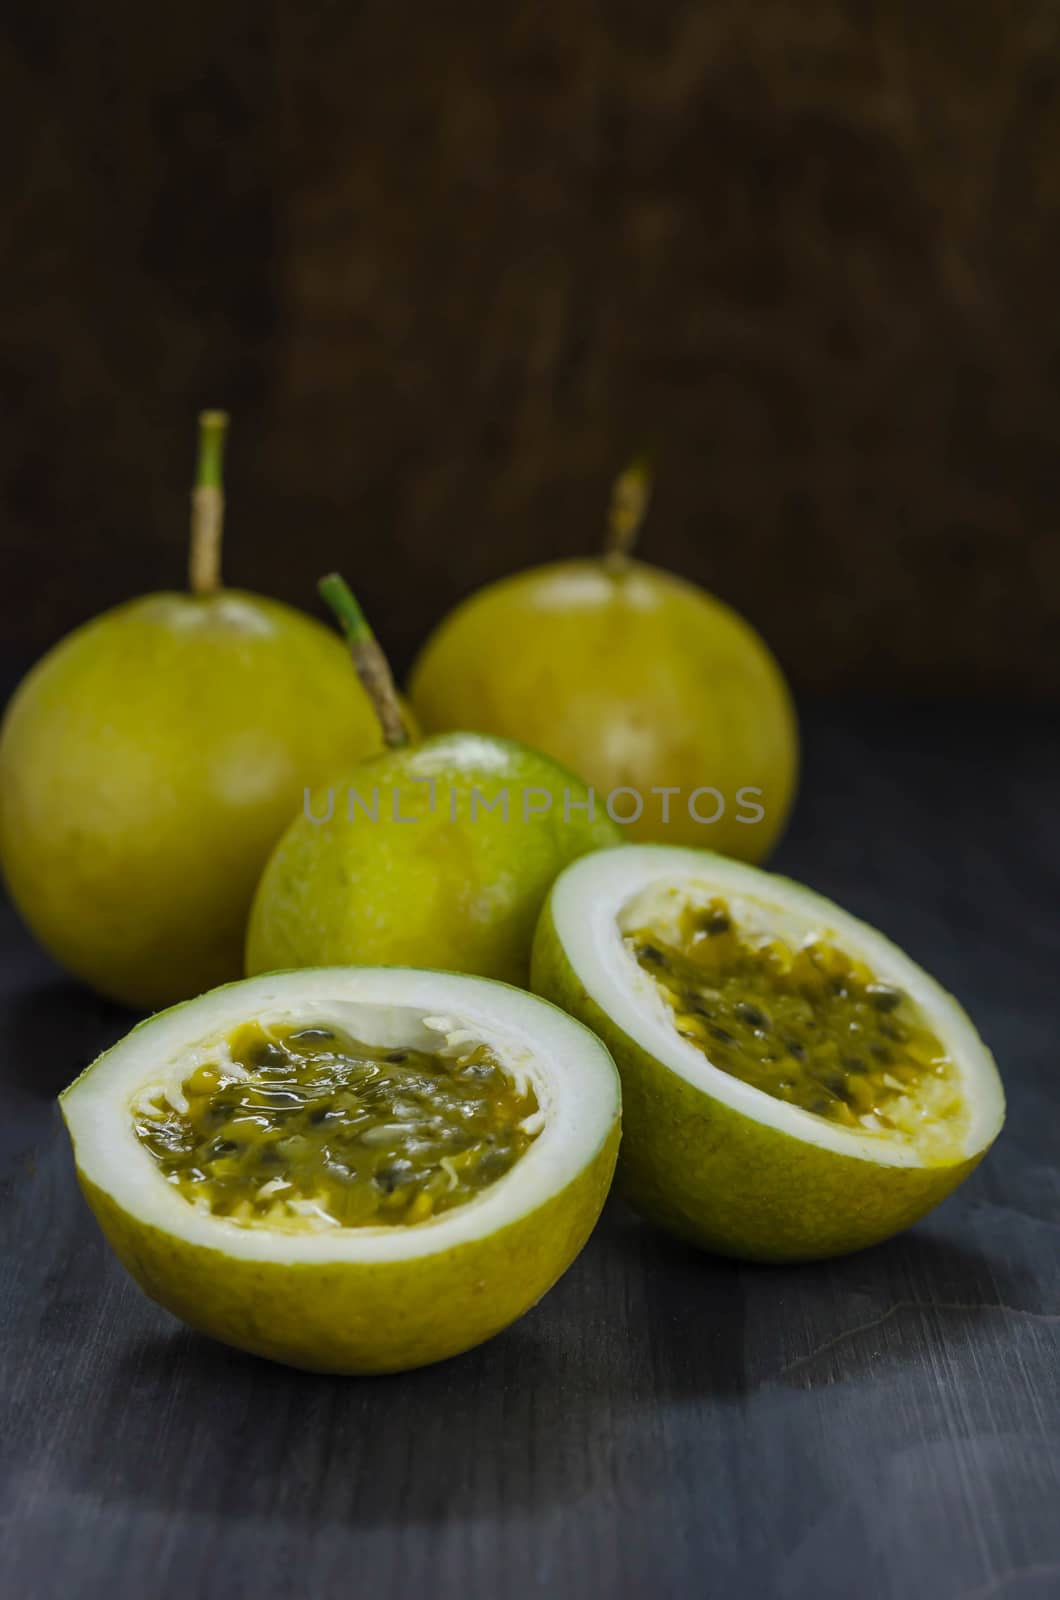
(663, 1424)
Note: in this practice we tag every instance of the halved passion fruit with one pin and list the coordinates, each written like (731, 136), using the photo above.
(349, 1169)
(793, 1085)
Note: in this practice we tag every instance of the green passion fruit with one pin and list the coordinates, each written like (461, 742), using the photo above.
(352, 1169)
(653, 691)
(795, 1086)
(439, 855)
(150, 761)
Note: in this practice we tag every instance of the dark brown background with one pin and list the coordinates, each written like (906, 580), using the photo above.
(449, 264)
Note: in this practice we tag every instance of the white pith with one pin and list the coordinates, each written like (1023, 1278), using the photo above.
(602, 893)
(570, 1070)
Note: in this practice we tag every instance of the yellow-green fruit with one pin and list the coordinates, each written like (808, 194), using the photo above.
(706, 1154)
(353, 1299)
(438, 855)
(147, 766)
(634, 679)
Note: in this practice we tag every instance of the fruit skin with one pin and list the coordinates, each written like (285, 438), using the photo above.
(430, 892)
(337, 1314)
(384, 1317)
(147, 766)
(631, 677)
(722, 1181)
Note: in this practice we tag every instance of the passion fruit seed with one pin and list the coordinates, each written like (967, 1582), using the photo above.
(809, 1026)
(306, 1127)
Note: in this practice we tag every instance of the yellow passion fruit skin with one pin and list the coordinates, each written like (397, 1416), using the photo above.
(349, 1170)
(794, 1086)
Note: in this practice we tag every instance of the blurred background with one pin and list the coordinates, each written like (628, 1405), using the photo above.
(449, 266)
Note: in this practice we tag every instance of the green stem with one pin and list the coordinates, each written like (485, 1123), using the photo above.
(630, 495)
(372, 666)
(208, 504)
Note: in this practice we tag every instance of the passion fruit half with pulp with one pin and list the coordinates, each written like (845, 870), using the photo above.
(351, 1169)
(794, 1085)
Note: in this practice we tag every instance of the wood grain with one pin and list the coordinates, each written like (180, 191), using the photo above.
(663, 1424)
(450, 266)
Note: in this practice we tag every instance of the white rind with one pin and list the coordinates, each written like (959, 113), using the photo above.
(587, 902)
(571, 1071)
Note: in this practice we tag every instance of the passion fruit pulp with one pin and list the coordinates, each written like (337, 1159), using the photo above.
(305, 1126)
(808, 1025)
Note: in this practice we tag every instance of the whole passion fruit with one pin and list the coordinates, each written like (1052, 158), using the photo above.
(150, 761)
(438, 855)
(656, 693)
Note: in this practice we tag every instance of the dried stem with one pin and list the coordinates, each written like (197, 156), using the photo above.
(208, 505)
(629, 503)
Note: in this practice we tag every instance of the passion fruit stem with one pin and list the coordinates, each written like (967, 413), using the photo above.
(372, 666)
(630, 495)
(208, 504)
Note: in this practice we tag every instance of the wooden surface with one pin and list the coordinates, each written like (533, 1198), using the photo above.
(663, 1424)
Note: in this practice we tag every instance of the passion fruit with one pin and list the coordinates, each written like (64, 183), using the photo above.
(795, 1086)
(151, 760)
(656, 693)
(349, 1170)
(438, 855)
